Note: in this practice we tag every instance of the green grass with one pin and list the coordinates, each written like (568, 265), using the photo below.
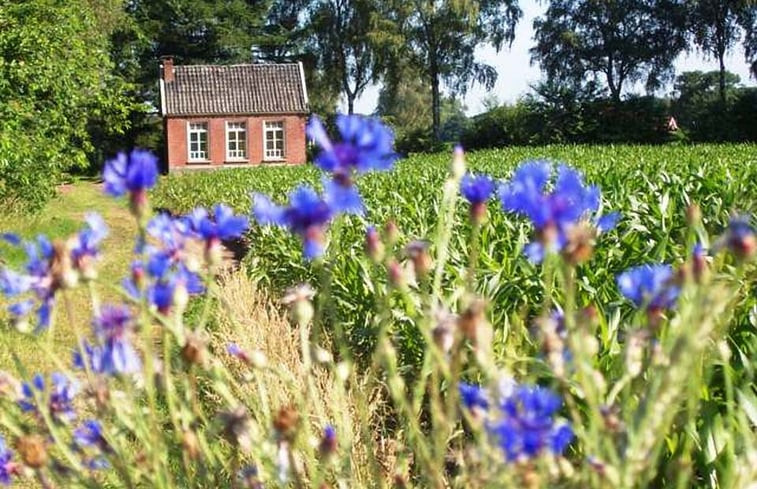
(61, 218)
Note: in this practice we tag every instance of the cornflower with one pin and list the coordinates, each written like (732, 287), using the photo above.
(741, 237)
(223, 226)
(59, 398)
(90, 434)
(477, 189)
(650, 286)
(306, 216)
(49, 268)
(114, 353)
(366, 144)
(522, 422)
(555, 214)
(8, 468)
(134, 174)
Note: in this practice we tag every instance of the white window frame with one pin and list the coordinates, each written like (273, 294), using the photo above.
(237, 154)
(197, 156)
(274, 154)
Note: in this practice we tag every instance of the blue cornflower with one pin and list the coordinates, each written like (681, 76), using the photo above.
(525, 426)
(741, 237)
(366, 144)
(133, 173)
(329, 443)
(8, 468)
(649, 285)
(476, 189)
(37, 278)
(522, 422)
(224, 225)
(554, 213)
(307, 217)
(86, 247)
(90, 434)
(113, 329)
(473, 396)
(60, 396)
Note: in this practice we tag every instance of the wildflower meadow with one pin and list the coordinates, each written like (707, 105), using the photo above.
(474, 322)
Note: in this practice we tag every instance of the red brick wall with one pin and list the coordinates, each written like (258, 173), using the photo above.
(177, 143)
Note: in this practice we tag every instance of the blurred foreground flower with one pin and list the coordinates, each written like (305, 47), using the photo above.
(554, 214)
(649, 286)
(307, 217)
(520, 418)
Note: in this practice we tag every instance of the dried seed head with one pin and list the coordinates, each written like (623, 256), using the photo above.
(32, 450)
(580, 243)
(190, 444)
(195, 351)
(286, 422)
(62, 271)
(237, 427)
(473, 320)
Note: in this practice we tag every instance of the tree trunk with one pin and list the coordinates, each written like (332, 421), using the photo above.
(721, 87)
(350, 103)
(436, 105)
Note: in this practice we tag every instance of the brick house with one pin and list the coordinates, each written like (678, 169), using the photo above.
(237, 115)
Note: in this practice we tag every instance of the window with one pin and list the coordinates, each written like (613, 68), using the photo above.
(236, 141)
(274, 140)
(198, 141)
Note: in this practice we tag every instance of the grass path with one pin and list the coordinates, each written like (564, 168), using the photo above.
(61, 218)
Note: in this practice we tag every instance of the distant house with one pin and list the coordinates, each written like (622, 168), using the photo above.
(237, 115)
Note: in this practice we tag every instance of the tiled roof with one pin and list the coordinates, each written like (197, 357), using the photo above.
(236, 89)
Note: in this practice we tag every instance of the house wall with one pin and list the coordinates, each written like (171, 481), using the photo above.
(177, 140)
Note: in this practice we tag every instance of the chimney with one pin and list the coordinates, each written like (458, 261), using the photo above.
(166, 68)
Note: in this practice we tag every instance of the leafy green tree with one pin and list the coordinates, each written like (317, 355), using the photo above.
(717, 27)
(441, 37)
(342, 33)
(56, 77)
(623, 41)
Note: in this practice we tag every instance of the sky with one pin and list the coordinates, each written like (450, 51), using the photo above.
(516, 73)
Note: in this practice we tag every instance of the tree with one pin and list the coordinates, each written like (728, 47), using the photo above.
(621, 40)
(441, 38)
(55, 78)
(716, 25)
(342, 38)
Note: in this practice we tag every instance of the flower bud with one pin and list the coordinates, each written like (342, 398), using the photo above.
(138, 204)
(444, 335)
(329, 444)
(299, 300)
(396, 275)
(374, 248)
(417, 251)
(457, 167)
(391, 233)
(62, 270)
(693, 215)
(478, 212)
(580, 243)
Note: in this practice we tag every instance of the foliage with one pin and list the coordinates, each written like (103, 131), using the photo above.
(717, 25)
(342, 32)
(579, 385)
(441, 38)
(622, 41)
(55, 80)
